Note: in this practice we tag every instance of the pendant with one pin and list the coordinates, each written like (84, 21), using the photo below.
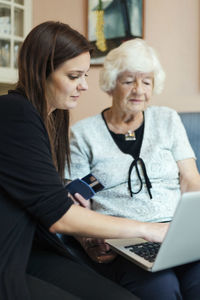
(130, 136)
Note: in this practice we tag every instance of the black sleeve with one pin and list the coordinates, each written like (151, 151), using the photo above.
(27, 174)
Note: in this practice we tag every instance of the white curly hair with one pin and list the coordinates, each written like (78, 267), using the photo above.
(135, 56)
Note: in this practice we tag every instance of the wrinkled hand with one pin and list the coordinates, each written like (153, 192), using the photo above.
(98, 250)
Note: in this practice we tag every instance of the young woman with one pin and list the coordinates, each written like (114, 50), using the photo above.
(53, 64)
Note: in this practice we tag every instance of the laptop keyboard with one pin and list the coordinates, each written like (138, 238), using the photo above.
(146, 250)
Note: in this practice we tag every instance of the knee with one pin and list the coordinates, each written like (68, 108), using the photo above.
(167, 287)
(162, 285)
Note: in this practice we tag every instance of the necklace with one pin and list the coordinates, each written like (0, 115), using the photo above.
(130, 135)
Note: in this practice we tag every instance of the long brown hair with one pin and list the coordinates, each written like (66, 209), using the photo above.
(45, 48)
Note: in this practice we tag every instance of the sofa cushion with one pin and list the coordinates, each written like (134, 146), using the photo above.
(191, 121)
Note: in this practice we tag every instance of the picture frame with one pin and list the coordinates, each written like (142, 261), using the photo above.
(111, 22)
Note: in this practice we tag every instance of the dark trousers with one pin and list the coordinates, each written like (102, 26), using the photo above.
(40, 290)
(178, 283)
(75, 278)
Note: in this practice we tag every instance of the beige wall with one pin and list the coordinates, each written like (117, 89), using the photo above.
(172, 27)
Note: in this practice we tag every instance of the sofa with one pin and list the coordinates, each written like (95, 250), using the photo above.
(191, 122)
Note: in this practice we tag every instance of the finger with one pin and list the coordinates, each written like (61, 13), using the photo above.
(107, 247)
(98, 251)
(82, 201)
(103, 259)
(93, 242)
(73, 198)
(103, 248)
(100, 243)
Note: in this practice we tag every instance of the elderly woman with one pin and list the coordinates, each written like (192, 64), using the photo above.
(142, 155)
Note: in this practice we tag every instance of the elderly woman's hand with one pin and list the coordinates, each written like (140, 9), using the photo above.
(98, 250)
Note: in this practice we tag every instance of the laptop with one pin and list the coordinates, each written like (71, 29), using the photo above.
(180, 246)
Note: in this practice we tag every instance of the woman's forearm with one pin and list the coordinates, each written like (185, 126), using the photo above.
(84, 222)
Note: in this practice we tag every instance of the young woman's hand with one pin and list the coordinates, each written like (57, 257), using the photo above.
(155, 232)
(79, 200)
